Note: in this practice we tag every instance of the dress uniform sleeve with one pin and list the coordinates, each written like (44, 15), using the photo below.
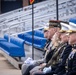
(73, 71)
(65, 55)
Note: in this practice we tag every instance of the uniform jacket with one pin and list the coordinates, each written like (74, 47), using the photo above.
(56, 55)
(72, 64)
(61, 66)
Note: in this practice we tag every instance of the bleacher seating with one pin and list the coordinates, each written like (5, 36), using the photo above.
(39, 40)
(28, 39)
(14, 48)
(38, 33)
(73, 20)
(21, 36)
(6, 38)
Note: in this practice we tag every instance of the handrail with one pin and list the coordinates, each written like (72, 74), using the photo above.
(27, 12)
(11, 26)
(26, 31)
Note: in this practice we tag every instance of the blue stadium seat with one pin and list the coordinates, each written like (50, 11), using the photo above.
(21, 36)
(39, 42)
(14, 48)
(6, 38)
(73, 20)
(39, 33)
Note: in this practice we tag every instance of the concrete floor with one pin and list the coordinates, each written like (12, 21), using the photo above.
(6, 68)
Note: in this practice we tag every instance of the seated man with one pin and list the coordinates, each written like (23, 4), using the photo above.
(48, 43)
(71, 63)
(27, 67)
(61, 52)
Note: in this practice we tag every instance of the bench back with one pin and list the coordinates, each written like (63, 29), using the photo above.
(17, 41)
(6, 37)
(21, 36)
(72, 20)
(39, 33)
(38, 41)
(28, 37)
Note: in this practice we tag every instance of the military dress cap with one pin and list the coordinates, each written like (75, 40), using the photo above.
(46, 28)
(72, 28)
(54, 23)
(64, 27)
(71, 31)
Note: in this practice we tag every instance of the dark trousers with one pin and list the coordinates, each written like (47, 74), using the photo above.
(60, 69)
(28, 70)
(49, 73)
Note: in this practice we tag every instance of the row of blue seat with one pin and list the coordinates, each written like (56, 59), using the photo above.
(14, 48)
(73, 20)
(39, 40)
(5, 38)
(38, 33)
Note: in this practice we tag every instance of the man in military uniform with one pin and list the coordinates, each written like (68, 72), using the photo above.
(25, 66)
(70, 54)
(48, 43)
(61, 66)
(71, 63)
(52, 29)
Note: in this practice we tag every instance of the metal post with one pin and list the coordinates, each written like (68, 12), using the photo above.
(57, 13)
(9, 34)
(32, 31)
